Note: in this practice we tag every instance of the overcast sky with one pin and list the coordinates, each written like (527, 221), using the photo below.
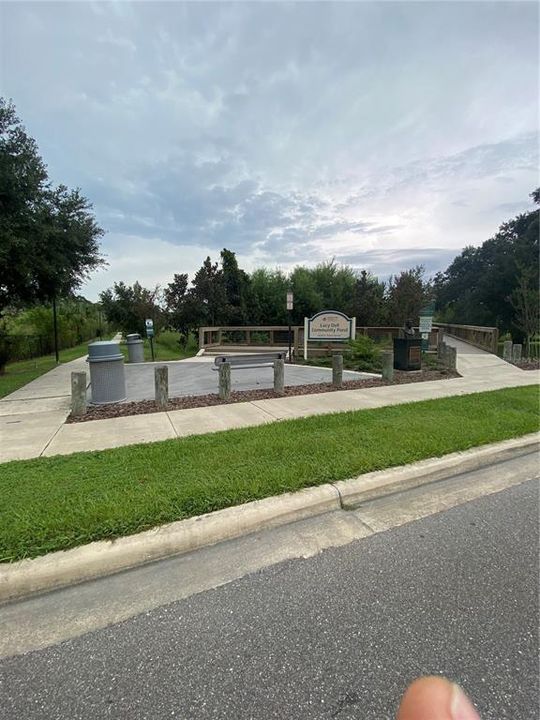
(382, 134)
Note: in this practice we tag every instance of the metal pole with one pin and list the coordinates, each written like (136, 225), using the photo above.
(55, 329)
(152, 347)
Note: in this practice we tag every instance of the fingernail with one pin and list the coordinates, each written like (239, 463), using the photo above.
(461, 707)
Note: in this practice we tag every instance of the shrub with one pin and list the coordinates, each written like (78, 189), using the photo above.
(364, 353)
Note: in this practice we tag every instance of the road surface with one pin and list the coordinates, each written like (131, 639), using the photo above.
(336, 635)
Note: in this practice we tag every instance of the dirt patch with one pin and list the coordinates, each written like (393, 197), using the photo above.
(142, 407)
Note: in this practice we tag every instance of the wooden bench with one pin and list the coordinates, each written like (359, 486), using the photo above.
(245, 362)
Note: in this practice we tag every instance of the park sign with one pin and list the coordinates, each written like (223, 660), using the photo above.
(328, 326)
(149, 328)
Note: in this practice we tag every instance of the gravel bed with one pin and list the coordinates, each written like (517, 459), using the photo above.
(528, 364)
(142, 407)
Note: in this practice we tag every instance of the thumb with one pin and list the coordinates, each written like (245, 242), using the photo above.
(435, 698)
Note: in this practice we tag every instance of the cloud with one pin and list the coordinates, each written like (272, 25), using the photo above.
(290, 132)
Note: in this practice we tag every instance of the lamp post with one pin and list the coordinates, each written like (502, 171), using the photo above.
(290, 305)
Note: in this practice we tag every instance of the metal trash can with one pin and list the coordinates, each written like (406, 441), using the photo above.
(407, 353)
(107, 377)
(135, 348)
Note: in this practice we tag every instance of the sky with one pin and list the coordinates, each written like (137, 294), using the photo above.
(381, 134)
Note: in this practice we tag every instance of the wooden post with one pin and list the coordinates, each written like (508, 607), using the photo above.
(219, 337)
(387, 357)
(161, 383)
(516, 352)
(224, 381)
(201, 338)
(271, 334)
(507, 350)
(337, 370)
(248, 337)
(78, 393)
(279, 376)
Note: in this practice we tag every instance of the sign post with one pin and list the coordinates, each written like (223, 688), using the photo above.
(290, 305)
(150, 334)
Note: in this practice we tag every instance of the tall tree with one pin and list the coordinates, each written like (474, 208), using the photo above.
(369, 300)
(48, 236)
(406, 294)
(236, 285)
(482, 285)
(126, 307)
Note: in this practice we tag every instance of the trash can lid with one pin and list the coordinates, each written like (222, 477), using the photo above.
(104, 350)
(132, 337)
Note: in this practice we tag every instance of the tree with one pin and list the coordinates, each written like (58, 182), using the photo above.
(209, 292)
(184, 311)
(482, 286)
(368, 300)
(48, 236)
(525, 300)
(236, 284)
(407, 293)
(126, 307)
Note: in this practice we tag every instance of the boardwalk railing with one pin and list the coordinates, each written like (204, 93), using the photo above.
(270, 335)
(485, 338)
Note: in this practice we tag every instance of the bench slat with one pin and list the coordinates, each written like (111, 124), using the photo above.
(255, 361)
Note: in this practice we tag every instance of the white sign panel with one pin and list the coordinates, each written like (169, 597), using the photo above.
(426, 322)
(329, 325)
(149, 324)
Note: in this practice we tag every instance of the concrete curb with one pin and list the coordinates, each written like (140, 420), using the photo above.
(106, 557)
(377, 484)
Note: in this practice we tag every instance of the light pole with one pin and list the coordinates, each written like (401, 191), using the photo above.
(290, 305)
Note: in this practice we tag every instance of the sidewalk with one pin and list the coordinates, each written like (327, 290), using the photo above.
(32, 419)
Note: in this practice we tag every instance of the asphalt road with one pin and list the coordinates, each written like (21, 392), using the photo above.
(338, 635)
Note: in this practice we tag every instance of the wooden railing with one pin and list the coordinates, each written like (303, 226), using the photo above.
(269, 335)
(485, 338)
(252, 335)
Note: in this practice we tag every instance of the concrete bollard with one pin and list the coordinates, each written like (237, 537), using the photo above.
(387, 357)
(279, 376)
(78, 393)
(441, 350)
(224, 381)
(451, 357)
(337, 370)
(161, 384)
(516, 352)
(507, 350)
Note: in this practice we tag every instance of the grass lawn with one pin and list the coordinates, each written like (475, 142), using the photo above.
(166, 347)
(21, 372)
(61, 502)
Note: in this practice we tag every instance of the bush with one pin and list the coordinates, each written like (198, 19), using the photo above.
(364, 353)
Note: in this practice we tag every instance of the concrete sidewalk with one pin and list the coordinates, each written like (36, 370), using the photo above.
(42, 432)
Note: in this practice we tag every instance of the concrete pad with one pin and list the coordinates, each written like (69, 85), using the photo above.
(24, 436)
(197, 421)
(111, 433)
(23, 407)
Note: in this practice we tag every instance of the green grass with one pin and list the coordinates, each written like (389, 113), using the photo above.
(23, 371)
(61, 502)
(166, 347)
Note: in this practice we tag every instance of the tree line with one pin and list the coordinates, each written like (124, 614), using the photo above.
(221, 293)
(495, 284)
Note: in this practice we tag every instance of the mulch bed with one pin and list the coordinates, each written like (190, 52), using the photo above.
(528, 364)
(142, 407)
